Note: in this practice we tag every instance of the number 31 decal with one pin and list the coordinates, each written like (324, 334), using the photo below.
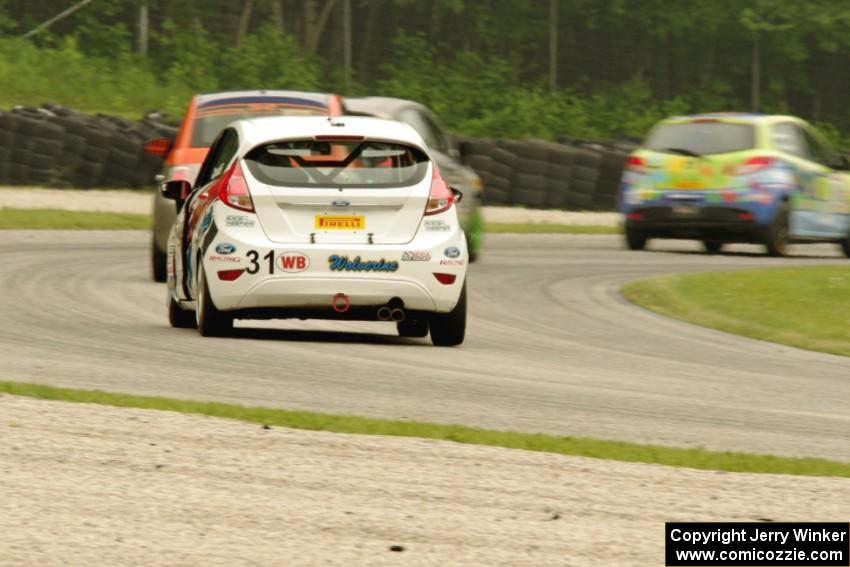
(254, 257)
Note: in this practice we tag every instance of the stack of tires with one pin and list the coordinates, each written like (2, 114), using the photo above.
(495, 165)
(610, 174)
(560, 193)
(60, 147)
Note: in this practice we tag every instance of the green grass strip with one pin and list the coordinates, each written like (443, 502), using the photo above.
(55, 219)
(801, 307)
(584, 447)
(549, 228)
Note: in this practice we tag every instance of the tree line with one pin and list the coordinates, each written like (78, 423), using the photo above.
(486, 66)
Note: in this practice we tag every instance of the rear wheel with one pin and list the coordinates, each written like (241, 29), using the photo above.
(178, 317)
(158, 263)
(635, 239)
(413, 328)
(449, 329)
(776, 238)
(211, 321)
(712, 246)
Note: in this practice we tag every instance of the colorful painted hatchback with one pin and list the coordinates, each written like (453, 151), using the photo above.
(731, 177)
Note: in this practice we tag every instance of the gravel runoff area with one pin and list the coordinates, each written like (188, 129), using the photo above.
(117, 201)
(95, 485)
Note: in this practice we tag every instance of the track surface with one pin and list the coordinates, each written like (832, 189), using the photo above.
(551, 347)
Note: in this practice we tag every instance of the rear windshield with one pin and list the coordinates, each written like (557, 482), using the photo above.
(211, 120)
(701, 138)
(337, 163)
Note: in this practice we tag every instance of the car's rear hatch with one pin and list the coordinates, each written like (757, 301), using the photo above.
(343, 190)
(695, 154)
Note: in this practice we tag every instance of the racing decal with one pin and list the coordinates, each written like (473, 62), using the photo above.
(212, 232)
(437, 226)
(415, 256)
(445, 262)
(338, 263)
(225, 248)
(239, 220)
(293, 262)
(340, 222)
(220, 258)
(452, 252)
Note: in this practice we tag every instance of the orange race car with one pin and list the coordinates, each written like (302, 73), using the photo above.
(205, 117)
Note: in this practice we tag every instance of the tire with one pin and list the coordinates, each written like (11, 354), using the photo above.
(776, 236)
(211, 322)
(845, 246)
(158, 263)
(635, 239)
(531, 167)
(532, 182)
(413, 328)
(449, 329)
(712, 246)
(178, 317)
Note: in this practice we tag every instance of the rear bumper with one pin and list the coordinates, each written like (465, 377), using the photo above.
(367, 276)
(707, 222)
(312, 292)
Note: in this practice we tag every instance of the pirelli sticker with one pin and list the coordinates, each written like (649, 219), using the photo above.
(340, 222)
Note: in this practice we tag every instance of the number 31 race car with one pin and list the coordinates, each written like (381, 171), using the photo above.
(326, 218)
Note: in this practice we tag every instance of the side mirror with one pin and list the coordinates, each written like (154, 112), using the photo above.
(458, 194)
(158, 147)
(176, 189)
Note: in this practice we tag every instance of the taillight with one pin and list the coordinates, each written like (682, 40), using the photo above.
(441, 198)
(755, 164)
(234, 190)
(635, 163)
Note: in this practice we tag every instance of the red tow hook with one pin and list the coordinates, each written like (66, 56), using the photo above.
(340, 303)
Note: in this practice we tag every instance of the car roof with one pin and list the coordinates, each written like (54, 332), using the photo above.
(733, 116)
(267, 129)
(300, 98)
(382, 106)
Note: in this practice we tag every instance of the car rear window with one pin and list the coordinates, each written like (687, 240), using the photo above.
(212, 119)
(701, 137)
(337, 163)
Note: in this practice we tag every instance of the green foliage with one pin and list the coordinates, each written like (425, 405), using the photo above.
(267, 58)
(482, 66)
(32, 75)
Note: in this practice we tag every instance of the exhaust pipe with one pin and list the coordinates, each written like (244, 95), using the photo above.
(397, 315)
(340, 303)
(384, 313)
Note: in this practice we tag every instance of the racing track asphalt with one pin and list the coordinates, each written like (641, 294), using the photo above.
(551, 347)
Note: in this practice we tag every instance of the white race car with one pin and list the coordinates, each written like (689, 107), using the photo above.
(318, 218)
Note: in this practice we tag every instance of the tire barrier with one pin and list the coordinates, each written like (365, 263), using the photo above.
(59, 147)
(573, 174)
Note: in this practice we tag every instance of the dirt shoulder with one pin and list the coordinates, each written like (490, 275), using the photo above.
(139, 202)
(84, 484)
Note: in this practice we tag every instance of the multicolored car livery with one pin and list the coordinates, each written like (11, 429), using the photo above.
(732, 177)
